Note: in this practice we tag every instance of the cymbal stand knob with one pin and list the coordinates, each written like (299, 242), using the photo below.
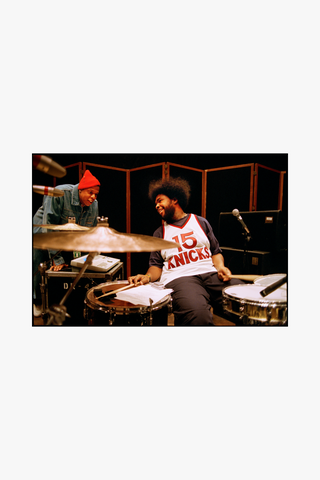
(103, 221)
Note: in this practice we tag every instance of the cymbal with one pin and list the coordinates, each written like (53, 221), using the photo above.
(100, 239)
(65, 226)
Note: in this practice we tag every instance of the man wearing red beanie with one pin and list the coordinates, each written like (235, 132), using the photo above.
(79, 201)
(88, 187)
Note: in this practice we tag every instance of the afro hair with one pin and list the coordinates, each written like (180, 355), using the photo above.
(173, 188)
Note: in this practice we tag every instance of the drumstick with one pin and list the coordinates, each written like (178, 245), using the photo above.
(274, 286)
(249, 278)
(112, 292)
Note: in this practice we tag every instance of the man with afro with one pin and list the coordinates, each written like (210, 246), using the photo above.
(195, 271)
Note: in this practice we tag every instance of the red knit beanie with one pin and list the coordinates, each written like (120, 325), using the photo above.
(88, 180)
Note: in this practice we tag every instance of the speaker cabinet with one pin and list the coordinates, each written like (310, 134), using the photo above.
(268, 230)
(255, 262)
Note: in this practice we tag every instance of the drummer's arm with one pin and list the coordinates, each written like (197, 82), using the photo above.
(153, 274)
(223, 272)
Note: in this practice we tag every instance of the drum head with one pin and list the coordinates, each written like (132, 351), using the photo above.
(269, 279)
(106, 303)
(251, 294)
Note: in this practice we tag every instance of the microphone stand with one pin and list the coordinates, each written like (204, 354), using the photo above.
(59, 312)
(247, 238)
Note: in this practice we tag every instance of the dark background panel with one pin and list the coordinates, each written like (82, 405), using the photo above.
(227, 190)
(267, 189)
(144, 218)
(195, 180)
(203, 161)
(72, 176)
(285, 196)
(112, 195)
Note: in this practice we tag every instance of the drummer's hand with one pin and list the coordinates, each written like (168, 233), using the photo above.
(224, 274)
(56, 268)
(139, 279)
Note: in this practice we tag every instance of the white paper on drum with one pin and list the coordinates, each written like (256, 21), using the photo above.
(141, 295)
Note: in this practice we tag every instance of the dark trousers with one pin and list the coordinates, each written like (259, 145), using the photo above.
(194, 296)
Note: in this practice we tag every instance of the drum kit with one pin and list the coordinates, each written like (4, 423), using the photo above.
(262, 303)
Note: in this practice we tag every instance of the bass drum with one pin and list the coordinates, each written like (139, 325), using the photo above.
(110, 311)
(250, 308)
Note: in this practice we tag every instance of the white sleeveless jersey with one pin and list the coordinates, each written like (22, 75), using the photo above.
(193, 257)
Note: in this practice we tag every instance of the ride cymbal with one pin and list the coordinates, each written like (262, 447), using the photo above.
(65, 226)
(101, 239)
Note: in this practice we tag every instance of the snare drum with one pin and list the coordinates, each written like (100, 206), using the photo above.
(110, 311)
(251, 308)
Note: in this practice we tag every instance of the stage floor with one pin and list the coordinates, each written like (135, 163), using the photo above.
(218, 321)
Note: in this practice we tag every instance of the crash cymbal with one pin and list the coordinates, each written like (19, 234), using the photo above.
(65, 226)
(100, 239)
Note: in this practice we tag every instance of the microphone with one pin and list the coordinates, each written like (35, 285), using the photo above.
(47, 165)
(50, 191)
(236, 213)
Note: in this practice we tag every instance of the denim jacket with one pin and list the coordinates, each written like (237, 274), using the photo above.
(56, 210)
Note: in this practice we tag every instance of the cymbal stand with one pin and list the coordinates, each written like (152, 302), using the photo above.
(42, 269)
(59, 312)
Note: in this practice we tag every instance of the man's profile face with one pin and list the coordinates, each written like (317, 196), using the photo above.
(165, 207)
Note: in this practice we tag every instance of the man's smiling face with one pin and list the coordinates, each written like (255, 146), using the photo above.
(88, 195)
(165, 207)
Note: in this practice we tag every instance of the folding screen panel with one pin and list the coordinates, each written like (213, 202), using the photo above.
(228, 188)
(73, 175)
(267, 188)
(144, 218)
(284, 193)
(112, 197)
